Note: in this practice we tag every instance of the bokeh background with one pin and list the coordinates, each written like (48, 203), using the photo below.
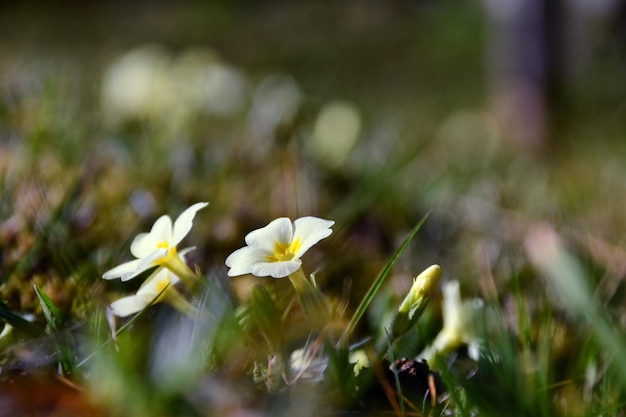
(496, 117)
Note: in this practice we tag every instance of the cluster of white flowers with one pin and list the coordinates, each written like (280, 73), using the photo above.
(273, 250)
(156, 249)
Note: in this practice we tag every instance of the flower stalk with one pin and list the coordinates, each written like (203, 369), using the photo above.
(178, 267)
(311, 299)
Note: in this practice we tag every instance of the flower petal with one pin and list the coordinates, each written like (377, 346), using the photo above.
(122, 269)
(145, 243)
(451, 306)
(157, 282)
(144, 264)
(277, 231)
(241, 260)
(276, 269)
(310, 230)
(183, 223)
(129, 305)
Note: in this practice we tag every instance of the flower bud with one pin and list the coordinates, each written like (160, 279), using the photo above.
(415, 301)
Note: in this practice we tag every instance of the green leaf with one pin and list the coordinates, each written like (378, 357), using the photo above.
(267, 317)
(53, 316)
(340, 372)
(18, 322)
(378, 282)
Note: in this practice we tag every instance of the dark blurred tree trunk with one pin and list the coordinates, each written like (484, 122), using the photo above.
(536, 50)
(524, 67)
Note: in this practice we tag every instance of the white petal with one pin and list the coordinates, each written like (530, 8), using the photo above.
(162, 229)
(276, 269)
(241, 260)
(144, 264)
(156, 283)
(451, 306)
(129, 305)
(473, 350)
(310, 230)
(183, 223)
(122, 269)
(146, 243)
(277, 231)
(183, 252)
(143, 244)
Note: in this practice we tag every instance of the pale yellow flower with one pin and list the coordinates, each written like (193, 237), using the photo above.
(275, 249)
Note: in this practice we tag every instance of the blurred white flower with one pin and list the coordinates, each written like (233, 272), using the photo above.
(158, 247)
(275, 249)
(224, 90)
(148, 82)
(276, 100)
(335, 133)
(138, 83)
(360, 360)
(458, 328)
(308, 364)
(208, 85)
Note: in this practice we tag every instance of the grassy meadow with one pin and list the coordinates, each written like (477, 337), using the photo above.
(463, 258)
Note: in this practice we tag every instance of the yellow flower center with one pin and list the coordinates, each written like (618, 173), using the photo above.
(285, 251)
(161, 286)
(171, 253)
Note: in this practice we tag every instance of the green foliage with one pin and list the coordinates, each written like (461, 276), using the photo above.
(267, 318)
(378, 282)
(19, 323)
(53, 316)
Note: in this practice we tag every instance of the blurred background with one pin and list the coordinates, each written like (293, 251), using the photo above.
(496, 116)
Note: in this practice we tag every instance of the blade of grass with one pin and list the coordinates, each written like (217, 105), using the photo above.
(18, 322)
(65, 342)
(378, 282)
(127, 325)
(394, 368)
(53, 316)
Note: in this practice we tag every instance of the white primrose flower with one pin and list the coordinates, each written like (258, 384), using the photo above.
(158, 287)
(153, 248)
(275, 249)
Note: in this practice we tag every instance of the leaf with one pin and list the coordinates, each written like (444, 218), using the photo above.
(267, 317)
(378, 282)
(18, 322)
(53, 316)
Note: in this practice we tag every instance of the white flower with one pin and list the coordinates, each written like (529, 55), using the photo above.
(308, 364)
(150, 248)
(275, 249)
(157, 285)
(458, 327)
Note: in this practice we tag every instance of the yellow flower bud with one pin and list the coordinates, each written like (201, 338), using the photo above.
(415, 301)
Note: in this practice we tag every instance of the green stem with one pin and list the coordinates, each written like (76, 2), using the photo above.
(180, 303)
(174, 263)
(311, 299)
